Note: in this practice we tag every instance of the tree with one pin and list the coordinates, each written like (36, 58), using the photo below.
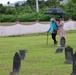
(17, 5)
(32, 4)
(74, 1)
(52, 3)
(42, 3)
(10, 10)
(1, 5)
(70, 8)
(8, 3)
(2, 9)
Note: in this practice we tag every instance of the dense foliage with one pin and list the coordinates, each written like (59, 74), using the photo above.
(27, 11)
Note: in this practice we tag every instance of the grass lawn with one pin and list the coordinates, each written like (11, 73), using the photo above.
(23, 23)
(40, 59)
(13, 23)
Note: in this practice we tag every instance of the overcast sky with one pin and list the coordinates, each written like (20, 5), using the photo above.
(11, 1)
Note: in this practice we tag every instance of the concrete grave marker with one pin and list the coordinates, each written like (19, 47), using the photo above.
(68, 55)
(59, 50)
(74, 65)
(23, 54)
(62, 42)
(12, 73)
(16, 63)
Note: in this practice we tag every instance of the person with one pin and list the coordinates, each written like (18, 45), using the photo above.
(53, 29)
(61, 27)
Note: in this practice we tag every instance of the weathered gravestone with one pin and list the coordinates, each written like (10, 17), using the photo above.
(16, 64)
(74, 65)
(59, 50)
(69, 55)
(12, 73)
(62, 42)
(23, 54)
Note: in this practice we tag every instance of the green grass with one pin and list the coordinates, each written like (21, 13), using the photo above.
(40, 59)
(12, 23)
(23, 23)
(7, 23)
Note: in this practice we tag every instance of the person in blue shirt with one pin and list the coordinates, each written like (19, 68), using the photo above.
(53, 29)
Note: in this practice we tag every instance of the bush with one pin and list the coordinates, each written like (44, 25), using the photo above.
(7, 18)
(28, 17)
(31, 17)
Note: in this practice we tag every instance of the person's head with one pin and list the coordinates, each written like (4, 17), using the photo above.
(52, 19)
(60, 18)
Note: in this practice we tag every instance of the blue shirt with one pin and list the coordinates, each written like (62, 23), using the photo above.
(53, 26)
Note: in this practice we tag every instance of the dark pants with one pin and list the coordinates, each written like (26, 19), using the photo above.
(54, 38)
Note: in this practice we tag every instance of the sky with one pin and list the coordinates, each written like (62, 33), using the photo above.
(11, 1)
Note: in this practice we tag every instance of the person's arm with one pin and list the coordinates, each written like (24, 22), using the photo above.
(49, 29)
(56, 25)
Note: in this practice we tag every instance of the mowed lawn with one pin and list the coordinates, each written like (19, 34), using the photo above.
(40, 59)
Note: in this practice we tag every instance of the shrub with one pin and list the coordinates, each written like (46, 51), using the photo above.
(7, 18)
(30, 17)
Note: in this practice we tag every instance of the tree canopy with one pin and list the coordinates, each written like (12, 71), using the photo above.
(28, 9)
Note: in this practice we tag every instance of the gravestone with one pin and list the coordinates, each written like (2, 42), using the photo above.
(62, 42)
(59, 50)
(16, 63)
(12, 73)
(23, 54)
(74, 65)
(69, 55)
